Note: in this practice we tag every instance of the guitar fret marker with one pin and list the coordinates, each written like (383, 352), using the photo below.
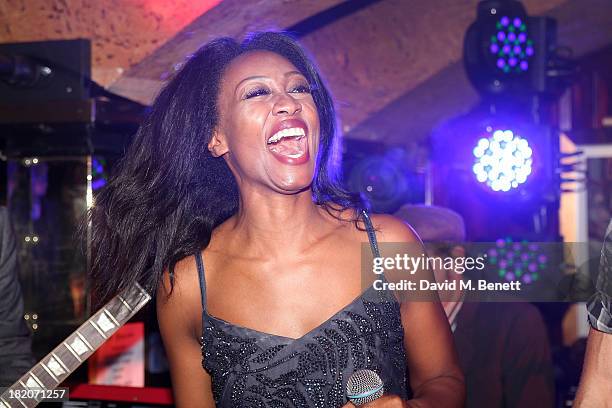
(34, 382)
(104, 323)
(19, 399)
(38, 384)
(84, 341)
(98, 329)
(4, 404)
(78, 346)
(49, 372)
(110, 316)
(72, 351)
(31, 383)
(57, 365)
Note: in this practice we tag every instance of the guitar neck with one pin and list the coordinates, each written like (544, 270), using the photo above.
(52, 370)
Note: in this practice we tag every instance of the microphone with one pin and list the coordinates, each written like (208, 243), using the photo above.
(364, 386)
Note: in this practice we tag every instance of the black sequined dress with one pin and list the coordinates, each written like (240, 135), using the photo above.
(250, 368)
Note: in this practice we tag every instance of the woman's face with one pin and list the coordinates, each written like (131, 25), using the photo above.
(268, 129)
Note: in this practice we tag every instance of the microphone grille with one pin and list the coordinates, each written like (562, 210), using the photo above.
(364, 386)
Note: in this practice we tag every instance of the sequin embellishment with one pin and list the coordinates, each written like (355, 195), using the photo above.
(253, 369)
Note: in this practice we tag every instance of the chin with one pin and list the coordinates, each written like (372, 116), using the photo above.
(293, 185)
(291, 179)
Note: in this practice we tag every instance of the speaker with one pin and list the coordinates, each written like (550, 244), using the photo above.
(35, 72)
(386, 176)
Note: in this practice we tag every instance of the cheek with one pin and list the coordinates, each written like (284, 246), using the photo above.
(313, 119)
(245, 130)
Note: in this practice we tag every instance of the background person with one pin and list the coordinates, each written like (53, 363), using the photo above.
(595, 388)
(503, 347)
(15, 338)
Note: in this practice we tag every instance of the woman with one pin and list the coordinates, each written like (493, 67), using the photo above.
(227, 202)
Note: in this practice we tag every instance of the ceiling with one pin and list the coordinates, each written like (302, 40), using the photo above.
(393, 66)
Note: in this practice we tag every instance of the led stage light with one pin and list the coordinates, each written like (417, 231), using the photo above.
(503, 160)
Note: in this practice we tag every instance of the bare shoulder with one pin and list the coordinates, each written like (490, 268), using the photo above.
(182, 298)
(397, 238)
(184, 276)
(392, 229)
(178, 315)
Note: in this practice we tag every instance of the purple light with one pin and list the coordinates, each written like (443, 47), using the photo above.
(503, 263)
(504, 21)
(509, 276)
(522, 37)
(494, 48)
(524, 257)
(506, 49)
(517, 22)
(529, 51)
(511, 37)
(533, 247)
(527, 278)
(524, 65)
(97, 184)
(501, 63)
(532, 267)
(492, 252)
(501, 36)
(500, 242)
(542, 259)
(517, 49)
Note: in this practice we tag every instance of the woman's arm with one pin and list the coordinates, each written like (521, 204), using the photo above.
(435, 376)
(177, 316)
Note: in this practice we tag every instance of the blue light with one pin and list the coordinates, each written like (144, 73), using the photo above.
(502, 161)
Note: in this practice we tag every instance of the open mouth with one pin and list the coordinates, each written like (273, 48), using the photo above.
(289, 145)
(288, 142)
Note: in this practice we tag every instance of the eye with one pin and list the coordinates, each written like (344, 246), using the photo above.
(300, 89)
(256, 92)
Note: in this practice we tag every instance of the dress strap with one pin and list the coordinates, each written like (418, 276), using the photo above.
(200, 264)
(371, 234)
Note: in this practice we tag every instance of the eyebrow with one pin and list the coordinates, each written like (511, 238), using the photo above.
(265, 77)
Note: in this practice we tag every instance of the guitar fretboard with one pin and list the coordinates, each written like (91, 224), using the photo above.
(76, 348)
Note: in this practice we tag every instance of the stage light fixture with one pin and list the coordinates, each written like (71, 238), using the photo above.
(510, 46)
(505, 50)
(502, 160)
(518, 260)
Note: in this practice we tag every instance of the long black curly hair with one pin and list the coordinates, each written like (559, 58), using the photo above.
(168, 192)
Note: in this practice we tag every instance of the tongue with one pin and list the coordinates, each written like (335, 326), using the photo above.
(288, 147)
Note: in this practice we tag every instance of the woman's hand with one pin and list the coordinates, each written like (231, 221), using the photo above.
(386, 401)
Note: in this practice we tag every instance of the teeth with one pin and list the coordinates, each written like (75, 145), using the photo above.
(291, 132)
(296, 155)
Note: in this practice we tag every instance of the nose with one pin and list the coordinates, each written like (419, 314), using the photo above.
(286, 105)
